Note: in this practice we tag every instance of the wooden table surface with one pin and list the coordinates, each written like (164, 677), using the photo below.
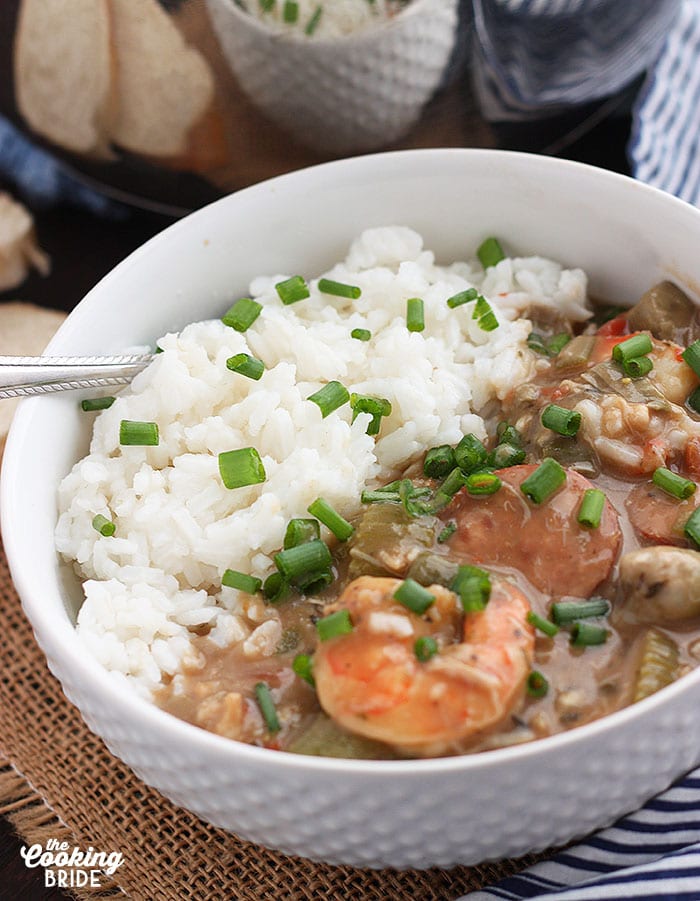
(83, 248)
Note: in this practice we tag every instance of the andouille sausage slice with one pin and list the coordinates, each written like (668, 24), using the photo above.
(658, 517)
(545, 542)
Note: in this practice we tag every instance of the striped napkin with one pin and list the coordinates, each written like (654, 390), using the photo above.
(539, 55)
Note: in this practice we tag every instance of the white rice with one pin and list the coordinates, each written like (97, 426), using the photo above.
(179, 528)
(336, 19)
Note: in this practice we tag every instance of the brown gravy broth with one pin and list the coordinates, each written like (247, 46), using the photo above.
(217, 692)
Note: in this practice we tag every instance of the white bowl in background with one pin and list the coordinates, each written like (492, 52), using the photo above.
(344, 94)
(417, 813)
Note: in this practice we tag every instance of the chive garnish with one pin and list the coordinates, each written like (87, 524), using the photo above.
(415, 314)
(331, 519)
(557, 343)
(301, 530)
(693, 400)
(414, 597)
(637, 367)
(473, 585)
(292, 290)
(537, 686)
(455, 481)
(361, 334)
(505, 455)
(330, 397)
(276, 588)
(290, 12)
(267, 5)
(303, 559)
(376, 406)
(242, 581)
(470, 453)
(104, 526)
(490, 252)
(545, 626)
(691, 355)
(584, 634)
(482, 483)
(508, 434)
(548, 347)
(439, 461)
(91, 404)
(486, 318)
(312, 24)
(138, 434)
(333, 625)
(447, 532)
(267, 707)
(692, 527)
(338, 289)
(246, 365)
(565, 612)
(302, 665)
(544, 481)
(424, 648)
(241, 467)
(636, 346)
(462, 297)
(242, 314)
(591, 510)
(673, 484)
(314, 582)
(560, 420)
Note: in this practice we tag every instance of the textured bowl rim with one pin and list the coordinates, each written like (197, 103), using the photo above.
(58, 638)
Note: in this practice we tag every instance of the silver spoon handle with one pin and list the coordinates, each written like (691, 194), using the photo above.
(22, 376)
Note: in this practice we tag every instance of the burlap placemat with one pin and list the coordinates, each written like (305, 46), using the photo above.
(57, 780)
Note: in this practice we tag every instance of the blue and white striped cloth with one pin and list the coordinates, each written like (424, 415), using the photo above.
(540, 56)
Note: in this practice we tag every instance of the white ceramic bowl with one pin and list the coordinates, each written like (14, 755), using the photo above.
(368, 813)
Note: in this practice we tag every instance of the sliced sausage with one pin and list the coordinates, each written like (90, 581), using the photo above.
(658, 517)
(543, 541)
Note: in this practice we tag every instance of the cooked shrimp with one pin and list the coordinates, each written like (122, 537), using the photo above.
(371, 682)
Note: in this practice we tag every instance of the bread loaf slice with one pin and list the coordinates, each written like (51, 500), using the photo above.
(63, 72)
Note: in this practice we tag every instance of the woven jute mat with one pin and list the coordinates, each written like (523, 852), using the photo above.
(58, 781)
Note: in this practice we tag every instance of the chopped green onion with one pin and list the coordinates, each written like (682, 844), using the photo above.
(557, 343)
(691, 355)
(692, 527)
(267, 5)
(505, 455)
(537, 686)
(560, 420)
(300, 531)
(482, 483)
(104, 526)
(439, 461)
(636, 346)
(242, 314)
(544, 481)
(243, 582)
(267, 707)
(673, 484)
(246, 365)
(425, 647)
(241, 467)
(414, 597)
(473, 585)
(361, 334)
(302, 665)
(138, 434)
(312, 24)
(292, 290)
(591, 510)
(486, 318)
(415, 314)
(410, 496)
(338, 289)
(314, 582)
(330, 397)
(564, 612)
(96, 403)
(537, 342)
(585, 634)
(376, 406)
(290, 12)
(693, 400)
(455, 481)
(331, 519)
(490, 252)
(470, 453)
(549, 628)
(447, 532)
(334, 625)
(637, 367)
(276, 588)
(508, 434)
(380, 496)
(463, 297)
(298, 561)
